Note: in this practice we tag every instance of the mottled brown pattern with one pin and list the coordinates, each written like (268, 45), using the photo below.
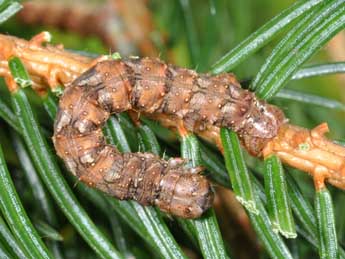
(201, 101)
(152, 87)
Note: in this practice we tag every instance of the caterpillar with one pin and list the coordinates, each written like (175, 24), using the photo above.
(152, 87)
(176, 97)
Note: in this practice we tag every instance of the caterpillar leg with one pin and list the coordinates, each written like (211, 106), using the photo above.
(181, 129)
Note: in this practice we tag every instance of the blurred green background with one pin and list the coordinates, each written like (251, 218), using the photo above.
(192, 34)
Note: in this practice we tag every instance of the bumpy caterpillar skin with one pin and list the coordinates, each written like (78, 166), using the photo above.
(153, 87)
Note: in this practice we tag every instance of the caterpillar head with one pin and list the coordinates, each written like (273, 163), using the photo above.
(263, 120)
(261, 126)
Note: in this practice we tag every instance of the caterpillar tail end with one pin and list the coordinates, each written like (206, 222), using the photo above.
(192, 195)
(310, 151)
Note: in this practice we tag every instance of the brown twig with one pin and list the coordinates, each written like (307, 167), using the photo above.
(310, 151)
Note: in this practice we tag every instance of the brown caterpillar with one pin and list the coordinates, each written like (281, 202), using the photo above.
(304, 149)
(152, 87)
